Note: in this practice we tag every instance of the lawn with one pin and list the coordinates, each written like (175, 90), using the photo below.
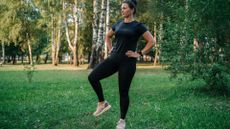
(63, 99)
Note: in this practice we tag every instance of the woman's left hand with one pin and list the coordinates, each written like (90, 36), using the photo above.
(132, 54)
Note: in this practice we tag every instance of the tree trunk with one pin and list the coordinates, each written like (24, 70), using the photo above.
(53, 42)
(75, 57)
(75, 42)
(30, 50)
(100, 39)
(73, 45)
(58, 41)
(107, 26)
(37, 59)
(57, 48)
(22, 59)
(156, 46)
(195, 48)
(161, 34)
(3, 52)
(46, 58)
(92, 61)
(14, 59)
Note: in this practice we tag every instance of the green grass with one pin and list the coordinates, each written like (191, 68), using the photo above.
(65, 100)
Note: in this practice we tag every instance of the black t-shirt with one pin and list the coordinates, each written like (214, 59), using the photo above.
(126, 36)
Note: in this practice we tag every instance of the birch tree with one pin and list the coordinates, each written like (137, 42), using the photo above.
(107, 25)
(73, 42)
(51, 11)
(56, 38)
(100, 39)
(92, 62)
(4, 28)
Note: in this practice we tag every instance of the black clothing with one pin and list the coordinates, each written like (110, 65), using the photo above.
(126, 37)
(126, 68)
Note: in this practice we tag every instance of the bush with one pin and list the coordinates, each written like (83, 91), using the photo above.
(218, 77)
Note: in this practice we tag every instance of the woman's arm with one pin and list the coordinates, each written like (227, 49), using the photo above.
(150, 41)
(108, 37)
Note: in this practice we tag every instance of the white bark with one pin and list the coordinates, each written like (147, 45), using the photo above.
(76, 22)
(95, 20)
(67, 35)
(58, 41)
(53, 41)
(101, 24)
(100, 39)
(30, 50)
(95, 33)
(73, 44)
(56, 38)
(107, 25)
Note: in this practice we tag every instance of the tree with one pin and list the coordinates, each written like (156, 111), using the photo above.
(3, 53)
(93, 57)
(52, 22)
(73, 44)
(3, 28)
(56, 17)
(107, 25)
(19, 24)
(198, 21)
(85, 36)
(100, 39)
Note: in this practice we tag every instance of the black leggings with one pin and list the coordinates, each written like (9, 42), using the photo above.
(126, 68)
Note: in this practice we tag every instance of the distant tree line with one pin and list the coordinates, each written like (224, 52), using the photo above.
(192, 35)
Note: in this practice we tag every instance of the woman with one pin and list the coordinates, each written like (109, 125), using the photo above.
(122, 59)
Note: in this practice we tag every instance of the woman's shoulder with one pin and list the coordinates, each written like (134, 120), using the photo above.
(140, 24)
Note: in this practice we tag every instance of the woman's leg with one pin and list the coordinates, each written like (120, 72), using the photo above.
(103, 70)
(126, 72)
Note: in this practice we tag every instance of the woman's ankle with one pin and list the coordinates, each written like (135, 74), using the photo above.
(101, 103)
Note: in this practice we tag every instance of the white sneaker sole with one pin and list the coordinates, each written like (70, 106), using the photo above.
(104, 110)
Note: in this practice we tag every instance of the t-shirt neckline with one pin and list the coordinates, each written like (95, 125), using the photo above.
(128, 22)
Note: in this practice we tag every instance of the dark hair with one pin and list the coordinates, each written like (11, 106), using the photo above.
(132, 4)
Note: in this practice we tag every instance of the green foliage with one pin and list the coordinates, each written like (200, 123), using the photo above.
(219, 77)
(177, 24)
(199, 20)
(85, 36)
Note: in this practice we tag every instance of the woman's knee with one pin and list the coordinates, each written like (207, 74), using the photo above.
(91, 78)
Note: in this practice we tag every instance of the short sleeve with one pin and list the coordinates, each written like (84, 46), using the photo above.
(142, 29)
(115, 25)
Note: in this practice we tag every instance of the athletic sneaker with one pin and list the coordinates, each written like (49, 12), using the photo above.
(102, 108)
(121, 124)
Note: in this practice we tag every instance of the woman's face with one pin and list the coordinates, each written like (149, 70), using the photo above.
(126, 11)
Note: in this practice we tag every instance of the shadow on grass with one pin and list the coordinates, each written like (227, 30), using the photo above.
(199, 86)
